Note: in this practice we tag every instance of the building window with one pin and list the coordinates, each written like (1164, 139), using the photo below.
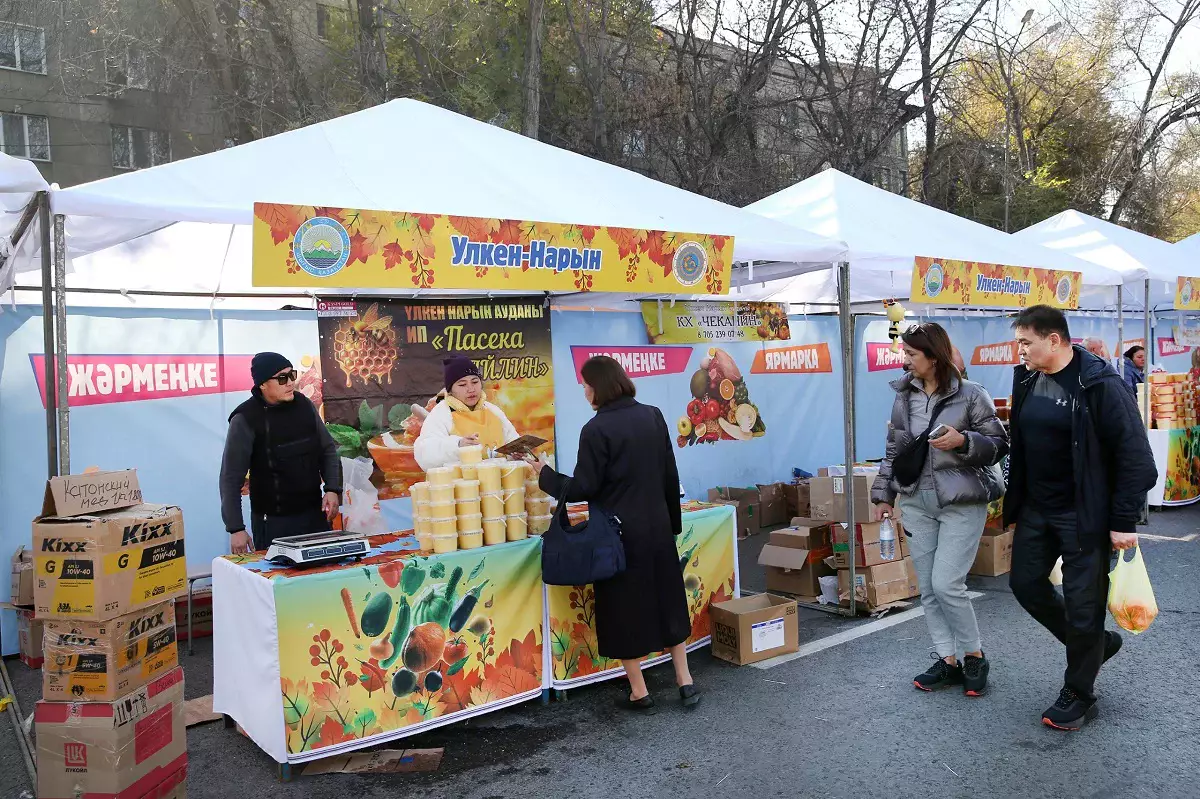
(887, 178)
(129, 69)
(25, 136)
(331, 21)
(23, 48)
(138, 148)
(634, 145)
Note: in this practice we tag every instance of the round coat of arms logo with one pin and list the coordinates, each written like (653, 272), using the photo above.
(690, 263)
(1063, 291)
(321, 246)
(1185, 293)
(935, 280)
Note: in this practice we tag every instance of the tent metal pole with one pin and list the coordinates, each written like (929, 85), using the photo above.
(48, 378)
(1149, 355)
(60, 324)
(846, 323)
(1120, 353)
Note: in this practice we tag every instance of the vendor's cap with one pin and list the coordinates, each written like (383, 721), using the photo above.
(266, 365)
(458, 367)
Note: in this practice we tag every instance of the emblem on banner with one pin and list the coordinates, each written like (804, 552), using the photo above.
(321, 246)
(690, 263)
(1063, 291)
(1185, 292)
(935, 279)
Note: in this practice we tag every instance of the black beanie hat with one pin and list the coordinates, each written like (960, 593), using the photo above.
(265, 365)
(458, 367)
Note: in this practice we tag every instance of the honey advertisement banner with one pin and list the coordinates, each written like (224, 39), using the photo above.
(982, 285)
(382, 367)
(316, 247)
(702, 322)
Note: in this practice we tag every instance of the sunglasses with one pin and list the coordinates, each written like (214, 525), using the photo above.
(285, 378)
(914, 329)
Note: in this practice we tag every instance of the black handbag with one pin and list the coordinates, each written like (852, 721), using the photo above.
(910, 462)
(585, 553)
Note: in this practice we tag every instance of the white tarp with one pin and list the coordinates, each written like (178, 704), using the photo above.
(1191, 252)
(1135, 255)
(409, 156)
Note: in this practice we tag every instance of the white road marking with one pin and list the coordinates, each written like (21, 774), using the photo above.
(1184, 539)
(845, 636)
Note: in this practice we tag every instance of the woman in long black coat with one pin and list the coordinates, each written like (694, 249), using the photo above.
(626, 465)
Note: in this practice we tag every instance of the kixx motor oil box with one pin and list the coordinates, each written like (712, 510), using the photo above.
(133, 748)
(97, 661)
(97, 566)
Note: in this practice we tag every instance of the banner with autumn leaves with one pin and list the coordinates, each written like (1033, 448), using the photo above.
(948, 282)
(385, 249)
(707, 556)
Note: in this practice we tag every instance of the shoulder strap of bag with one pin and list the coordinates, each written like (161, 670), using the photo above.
(937, 409)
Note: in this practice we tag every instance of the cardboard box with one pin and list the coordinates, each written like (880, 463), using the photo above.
(101, 566)
(133, 748)
(745, 500)
(202, 614)
(829, 498)
(837, 470)
(798, 497)
(100, 661)
(754, 628)
(29, 639)
(866, 545)
(880, 585)
(20, 589)
(91, 492)
(795, 559)
(773, 505)
(994, 557)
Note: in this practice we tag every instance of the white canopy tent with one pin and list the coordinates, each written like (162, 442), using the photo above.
(1191, 251)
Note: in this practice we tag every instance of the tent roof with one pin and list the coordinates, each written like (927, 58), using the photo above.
(409, 156)
(1191, 249)
(1135, 255)
(885, 231)
(18, 180)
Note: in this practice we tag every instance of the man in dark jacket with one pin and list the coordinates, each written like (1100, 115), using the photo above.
(1079, 469)
(278, 437)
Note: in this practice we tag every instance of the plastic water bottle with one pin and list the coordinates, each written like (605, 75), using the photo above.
(887, 539)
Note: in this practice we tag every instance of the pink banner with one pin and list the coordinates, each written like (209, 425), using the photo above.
(880, 357)
(103, 379)
(1167, 346)
(637, 361)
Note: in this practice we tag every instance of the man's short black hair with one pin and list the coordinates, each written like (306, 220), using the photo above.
(1043, 320)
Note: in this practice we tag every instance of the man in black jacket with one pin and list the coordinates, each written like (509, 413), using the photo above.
(278, 437)
(1079, 469)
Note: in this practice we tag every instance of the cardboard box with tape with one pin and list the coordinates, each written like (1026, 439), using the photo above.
(133, 747)
(754, 628)
(20, 591)
(795, 558)
(828, 498)
(994, 557)
(100, 661)
(30, 632)
(798, 497)
(866, 545)
(202, 614)
(880, 585)
(94, 565)
(746, 500)
(773, 503)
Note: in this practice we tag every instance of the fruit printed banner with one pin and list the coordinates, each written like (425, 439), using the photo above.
(400, 642)
(382, 362)
(721, 408)
(1182, 482)
(320, 247)
(983, 285)
(1187, 293)
(702, 322)
(707, 556)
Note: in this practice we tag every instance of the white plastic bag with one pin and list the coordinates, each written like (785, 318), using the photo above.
(362, 514)
(1056, 573)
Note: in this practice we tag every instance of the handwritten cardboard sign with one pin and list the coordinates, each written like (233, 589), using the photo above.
(92, 492)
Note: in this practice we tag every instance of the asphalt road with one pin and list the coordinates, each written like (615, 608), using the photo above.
(844, 722)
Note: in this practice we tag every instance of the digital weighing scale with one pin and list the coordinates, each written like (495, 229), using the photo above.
(305, 550)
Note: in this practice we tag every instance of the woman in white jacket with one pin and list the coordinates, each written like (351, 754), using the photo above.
(464, 418)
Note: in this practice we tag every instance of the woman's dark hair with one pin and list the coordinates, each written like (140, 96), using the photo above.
(933, 341)
(607, 379)
(1134, 350)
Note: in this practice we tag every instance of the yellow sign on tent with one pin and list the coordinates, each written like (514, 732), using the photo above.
(315, 247)
(971, 283)
(1187, 293)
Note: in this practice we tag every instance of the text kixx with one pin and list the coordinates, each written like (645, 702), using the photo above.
(139, 627)
(142, 532)
(59, 545)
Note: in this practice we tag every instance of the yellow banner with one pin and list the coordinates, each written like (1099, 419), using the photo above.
(1187, 293)
(700, 322)
(308, 246)
(982, 285)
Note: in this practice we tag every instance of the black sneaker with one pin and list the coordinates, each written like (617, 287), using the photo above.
(975, 674)
(1112, 644)
(1070, 712)
(939, 675)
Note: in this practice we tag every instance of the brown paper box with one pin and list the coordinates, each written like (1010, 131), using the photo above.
(798, 497)
(199, 711)
(100, 661)
(99, 567)
(748, 510)
(794, 560)
(829, 498)
(30, 632)
(202, 614)
(91, 492)
(133, 747)
(754, 628)
(880, 585)
(994, 557)
(20, 591)
(866, 545)
(774, 505)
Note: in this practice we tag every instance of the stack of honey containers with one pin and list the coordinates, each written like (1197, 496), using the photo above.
(1173, 399)
(478, 503)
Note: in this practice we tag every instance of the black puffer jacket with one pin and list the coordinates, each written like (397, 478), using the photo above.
(1113, 465)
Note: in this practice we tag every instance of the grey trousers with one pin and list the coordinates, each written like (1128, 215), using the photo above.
(943, 546)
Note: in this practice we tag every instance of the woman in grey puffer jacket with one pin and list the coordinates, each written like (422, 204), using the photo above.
(944, 511)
